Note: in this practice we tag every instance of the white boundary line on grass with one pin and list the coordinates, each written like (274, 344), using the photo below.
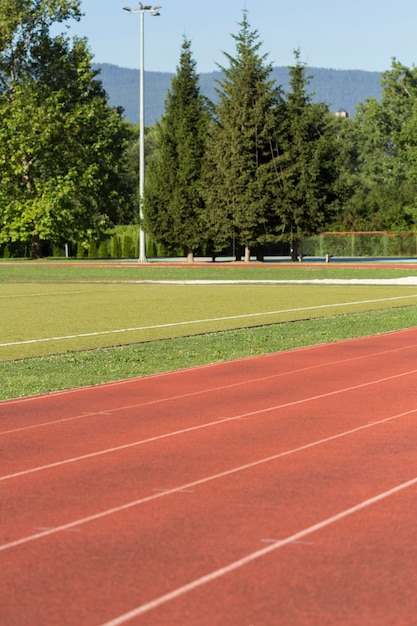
(406, 281)
(203, 321)
(38, 295)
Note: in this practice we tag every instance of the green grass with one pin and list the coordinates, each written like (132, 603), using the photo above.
(42, 301)
(47, 319)
(75, 369)
(43, 271)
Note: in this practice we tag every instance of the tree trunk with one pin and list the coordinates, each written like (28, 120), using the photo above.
(238, 253)
(247, 254)
(36, 247)
(294, 250)
(190, 256)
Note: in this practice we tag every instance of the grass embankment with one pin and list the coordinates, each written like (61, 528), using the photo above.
(75, 366)
(74, 369)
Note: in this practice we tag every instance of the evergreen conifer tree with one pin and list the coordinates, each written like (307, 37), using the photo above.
(308, 165)
(239, 176)
(173, 202)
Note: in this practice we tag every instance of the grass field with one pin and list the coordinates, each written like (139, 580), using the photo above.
(67, 325)
(43, 271)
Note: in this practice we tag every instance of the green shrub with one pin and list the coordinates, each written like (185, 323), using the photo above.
(115, 247)
(128, 248)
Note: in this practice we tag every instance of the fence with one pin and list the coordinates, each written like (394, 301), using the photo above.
(361, 244)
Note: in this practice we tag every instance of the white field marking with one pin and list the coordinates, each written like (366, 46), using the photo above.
(207, 390)
(203, 321)
(246, 560)
(195, 483)
(407, 280)
(218, 421)
(36, 295)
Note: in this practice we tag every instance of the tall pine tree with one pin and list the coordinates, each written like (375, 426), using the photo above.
(239, 178)
(308, 165)
(173, 203)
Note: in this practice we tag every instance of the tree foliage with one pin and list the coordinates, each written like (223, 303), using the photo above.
(173, 201)
(260, 166)
(239, 173)
(308, 162)
(61, 145)
(386, 140)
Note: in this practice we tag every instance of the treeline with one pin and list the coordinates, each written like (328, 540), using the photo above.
(260, 167)
(263, 167)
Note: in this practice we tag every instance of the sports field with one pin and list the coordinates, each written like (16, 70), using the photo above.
(278, 489)
(67, 309)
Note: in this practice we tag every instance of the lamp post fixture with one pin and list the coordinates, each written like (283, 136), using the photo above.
(152, 10)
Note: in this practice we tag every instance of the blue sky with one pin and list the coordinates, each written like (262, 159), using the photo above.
(356, 34)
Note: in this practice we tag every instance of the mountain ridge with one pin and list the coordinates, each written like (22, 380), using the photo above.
(339, 89)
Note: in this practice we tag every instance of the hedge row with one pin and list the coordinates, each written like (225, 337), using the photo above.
(120, 243)
(123, 243)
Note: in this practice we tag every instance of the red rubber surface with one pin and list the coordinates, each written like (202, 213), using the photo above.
(275, 490)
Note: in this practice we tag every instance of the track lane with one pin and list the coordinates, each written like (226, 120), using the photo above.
(38, 411)
(193, 522)
(234, 434)
(162, 544)
(130, 473)
(108, 428)
(333, 577)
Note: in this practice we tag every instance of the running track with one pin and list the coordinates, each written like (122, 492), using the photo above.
(267, 491)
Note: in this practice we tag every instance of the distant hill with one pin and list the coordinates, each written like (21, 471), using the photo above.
(339, 89)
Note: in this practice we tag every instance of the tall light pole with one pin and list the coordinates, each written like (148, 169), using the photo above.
(152, 10)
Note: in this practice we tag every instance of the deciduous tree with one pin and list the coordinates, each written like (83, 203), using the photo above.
(387, 153)
(61, 146)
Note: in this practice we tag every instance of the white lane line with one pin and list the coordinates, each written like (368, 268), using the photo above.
(207, 390)
(235, 565)
(202, 321)
(217, 422)
(129, 505)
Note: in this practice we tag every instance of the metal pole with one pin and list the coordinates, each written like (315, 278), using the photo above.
(142, 237)
(153, 10)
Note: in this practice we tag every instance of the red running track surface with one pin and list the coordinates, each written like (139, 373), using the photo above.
(275, 490)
